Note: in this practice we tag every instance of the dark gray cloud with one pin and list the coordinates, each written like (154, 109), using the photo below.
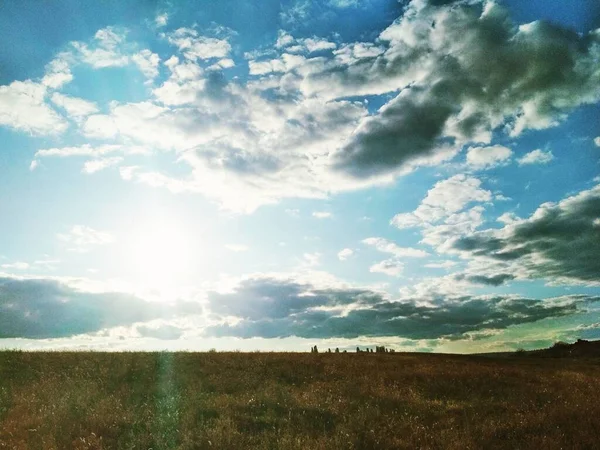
(491, 280)
(259, 298)
(39, 308)
(558, 242)
(465, 70)
(405, 128)
(272, 308)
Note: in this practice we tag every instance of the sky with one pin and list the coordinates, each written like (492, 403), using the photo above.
(275, 175)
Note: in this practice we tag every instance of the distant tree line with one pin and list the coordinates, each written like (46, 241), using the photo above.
(378, 349)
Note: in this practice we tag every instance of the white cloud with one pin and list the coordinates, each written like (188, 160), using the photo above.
(383, 245)
(536, 157)
(444, 199)
(322, 214)
(109, 38)
(317, 44)
(344, 3)
(154, 179)
(264, 67)
(243, 150)
(283, 39)
(58, 72)
(105, 50)
(177, 93)
(83, 150)
(34, 165)
(508, 218)
(597, 141)
(237, 247)
(161, 20)
(147, 62)
(23, 107)
(284, 63)
(455, 225)
(441, 265)
(74, 106)
(344, 254)
(311, 259)
(183, 70)
(19, 265)
(96, 165)
(442, 214)
(356, 51)
(429, 291)
(127, 172)
(286, 133)
(298, 11)
(488, 157)
(81, 238)
(226, 63)
(303, 45)
(196, 47)
(391, 267)
(47, 263)
(138, 121)
(245, 143)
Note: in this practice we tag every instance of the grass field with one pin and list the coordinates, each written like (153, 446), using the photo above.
(296, 401)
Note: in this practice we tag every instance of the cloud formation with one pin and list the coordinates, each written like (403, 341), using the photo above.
(383, 245)
(559, 242)
(463, 70)
(392, 267)
(23, 107)
(106, 49)
(449, 75)
(45, 308)
(536, 157)
(345, 253)
(273, 307)
(194, 46)
(81, 238)
(74, 107)
(96, 165)
(488, 157)
(443, 201)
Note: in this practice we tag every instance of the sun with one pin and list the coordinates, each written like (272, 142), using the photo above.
(158, 253)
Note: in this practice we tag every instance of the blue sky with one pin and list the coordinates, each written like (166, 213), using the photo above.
(190, 175)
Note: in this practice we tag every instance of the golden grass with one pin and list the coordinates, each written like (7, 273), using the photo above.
(296, 401)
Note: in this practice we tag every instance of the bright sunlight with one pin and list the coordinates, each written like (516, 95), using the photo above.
(157, 253)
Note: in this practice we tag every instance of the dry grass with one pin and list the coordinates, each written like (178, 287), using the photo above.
(296, 401)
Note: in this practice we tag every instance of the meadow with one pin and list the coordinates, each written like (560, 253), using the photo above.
(296, 401)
